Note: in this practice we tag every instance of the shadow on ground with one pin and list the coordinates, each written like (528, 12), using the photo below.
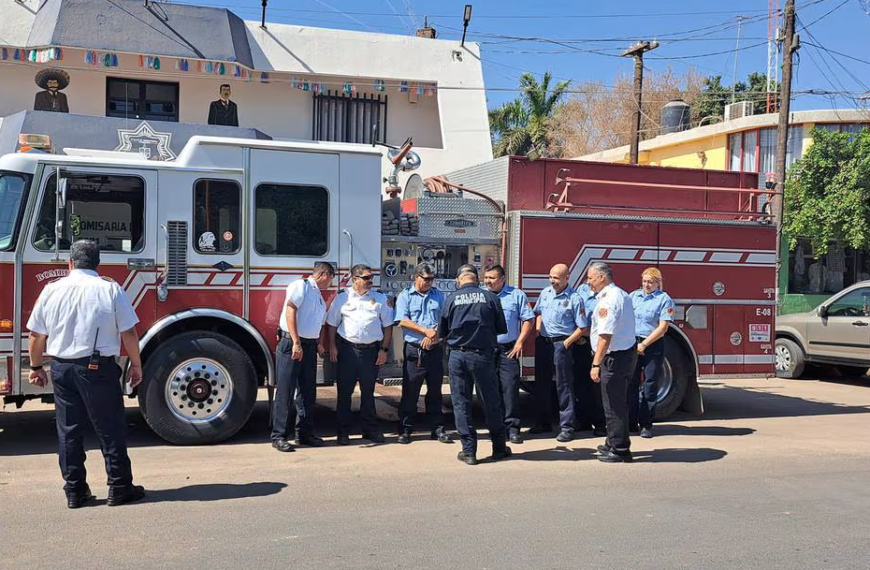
(32, 432)
(669, 455)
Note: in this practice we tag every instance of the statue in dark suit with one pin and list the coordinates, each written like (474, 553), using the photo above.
(223, 111)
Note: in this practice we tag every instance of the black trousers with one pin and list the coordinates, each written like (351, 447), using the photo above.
(643, 390)
(356, 363)
(617, 369)
(554, 361)
(82, 396)
(588, 407)
(509, 384)
(467, 370)
(296, 390)
(422, 366)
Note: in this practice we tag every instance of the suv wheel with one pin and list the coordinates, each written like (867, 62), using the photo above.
(789, 359)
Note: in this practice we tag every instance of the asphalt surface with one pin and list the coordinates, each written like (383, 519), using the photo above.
(775, 475)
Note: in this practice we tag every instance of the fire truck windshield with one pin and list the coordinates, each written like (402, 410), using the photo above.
(13, 189)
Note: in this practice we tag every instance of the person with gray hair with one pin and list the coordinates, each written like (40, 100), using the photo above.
(471, 322)
(81, 321)
(418, 312)
(615, 356)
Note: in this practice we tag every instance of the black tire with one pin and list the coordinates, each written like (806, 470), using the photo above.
(230, 413)
(789, 359)
(676, 375)
(852, 370)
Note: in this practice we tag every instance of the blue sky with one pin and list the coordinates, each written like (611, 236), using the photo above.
(590, 33)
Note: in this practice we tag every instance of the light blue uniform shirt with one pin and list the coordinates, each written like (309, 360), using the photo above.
(423, 309)
(649, 310)
(589, 298)
(614, 315)
(561, 314)
(516, 309)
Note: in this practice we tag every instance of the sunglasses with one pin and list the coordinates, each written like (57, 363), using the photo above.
(364, 277)
(426, 279)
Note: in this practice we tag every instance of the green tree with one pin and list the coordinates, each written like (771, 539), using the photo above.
(827, 193)
(521, 125)
(714, 95)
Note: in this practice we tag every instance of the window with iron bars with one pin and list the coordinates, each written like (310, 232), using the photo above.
(351, 118)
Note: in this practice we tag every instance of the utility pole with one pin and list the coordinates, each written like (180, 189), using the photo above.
(636, 51)
(790, 44)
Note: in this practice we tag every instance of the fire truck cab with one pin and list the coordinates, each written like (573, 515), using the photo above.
(204, 246)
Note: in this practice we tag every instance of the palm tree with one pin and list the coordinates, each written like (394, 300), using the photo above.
(520, 126)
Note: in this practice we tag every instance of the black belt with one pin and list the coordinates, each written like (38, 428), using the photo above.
(552, 339)
(471, 349)
(507, 346)
(85, 360)
(376, 344)
(419, 347)
(632, 349)
(302, 340)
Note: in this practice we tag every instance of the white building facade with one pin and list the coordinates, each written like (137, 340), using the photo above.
(164, 63)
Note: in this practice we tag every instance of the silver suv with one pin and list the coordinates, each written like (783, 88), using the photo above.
(837, 332)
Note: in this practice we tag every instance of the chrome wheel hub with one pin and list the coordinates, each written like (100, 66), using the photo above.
(783, 358)
(199, 390)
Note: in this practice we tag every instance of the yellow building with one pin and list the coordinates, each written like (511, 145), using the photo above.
(748, 144)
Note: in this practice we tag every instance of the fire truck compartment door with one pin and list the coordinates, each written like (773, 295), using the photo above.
(729, 338)
(117, 208)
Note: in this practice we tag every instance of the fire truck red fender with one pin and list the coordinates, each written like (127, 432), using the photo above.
(169, 321)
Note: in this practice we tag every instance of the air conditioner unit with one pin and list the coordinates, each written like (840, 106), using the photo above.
(737, 110)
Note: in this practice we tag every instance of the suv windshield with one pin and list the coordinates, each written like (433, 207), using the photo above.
(13, 189)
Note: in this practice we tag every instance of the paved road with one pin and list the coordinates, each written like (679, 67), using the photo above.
(776, 475)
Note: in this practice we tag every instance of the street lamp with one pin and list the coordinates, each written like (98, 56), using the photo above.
(466, 17)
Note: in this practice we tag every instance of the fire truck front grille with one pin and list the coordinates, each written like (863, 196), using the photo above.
(176, 253)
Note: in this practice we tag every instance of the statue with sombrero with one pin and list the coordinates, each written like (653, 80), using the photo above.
(52, 81)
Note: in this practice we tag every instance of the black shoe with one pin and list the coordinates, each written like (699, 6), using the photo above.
(634, 428)
(598, 432)
(565, 436)
(342, 439)
(604, 448)
(646, 433)
(404, 437)
(441, 436)
(130, 495)
(502, 454)
(282, 445)
(310, 441)
(539, 429)
(582, 427)
(610, 456)
(468, 459)
(516, 438)
(374, 436)
(76, 500)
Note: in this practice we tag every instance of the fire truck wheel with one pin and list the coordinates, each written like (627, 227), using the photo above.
(674, 380)
(199, 388)
(789, 359)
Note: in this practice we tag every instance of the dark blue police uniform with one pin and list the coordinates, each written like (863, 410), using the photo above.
(471, 322)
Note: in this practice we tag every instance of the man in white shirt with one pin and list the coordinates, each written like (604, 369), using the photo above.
(363, 320)
(613, 340)
(299, 343)
(80, 321)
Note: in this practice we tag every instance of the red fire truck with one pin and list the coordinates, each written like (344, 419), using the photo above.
(205, 246)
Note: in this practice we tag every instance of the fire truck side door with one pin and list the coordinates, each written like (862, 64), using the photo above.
(294, 224)
(116, 207)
